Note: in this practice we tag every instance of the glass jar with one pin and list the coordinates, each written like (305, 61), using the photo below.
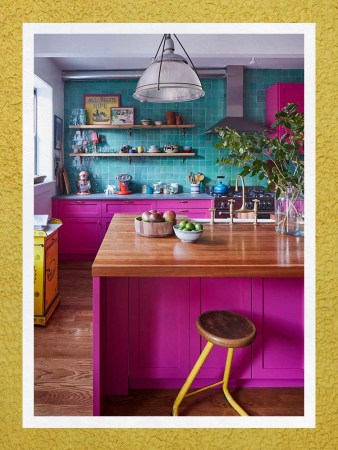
(82, 117)
(289, 212)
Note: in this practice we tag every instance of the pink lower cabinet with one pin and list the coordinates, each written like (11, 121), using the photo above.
(278, 313)
(110, 207)
(159, 340)
(194, 209)
(80, 238)
(231, 294)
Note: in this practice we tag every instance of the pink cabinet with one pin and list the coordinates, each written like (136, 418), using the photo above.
(164, 343)
(81, 235)
(80, 238)
(109, 208)
(159, 330)
(79, 208)
(232, 294)
(86, 221)
(278, 313)
(278, 96)
(192, 208)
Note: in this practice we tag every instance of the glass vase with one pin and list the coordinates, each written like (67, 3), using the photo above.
(289, 212)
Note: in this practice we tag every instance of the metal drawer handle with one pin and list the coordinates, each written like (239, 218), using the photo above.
(183, 201)
(128, 201)
(183, 210)
(79, 201)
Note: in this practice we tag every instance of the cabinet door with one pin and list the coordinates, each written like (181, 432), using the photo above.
(278, 96)
(79, 236)
(278, 316)
(159, 329)
(230, 294)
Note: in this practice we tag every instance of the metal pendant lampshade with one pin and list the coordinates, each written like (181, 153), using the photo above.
(169, 78)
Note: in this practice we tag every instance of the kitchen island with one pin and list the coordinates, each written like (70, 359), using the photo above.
(148, 293)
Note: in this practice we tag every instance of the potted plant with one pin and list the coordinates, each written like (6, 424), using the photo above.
(279, 161)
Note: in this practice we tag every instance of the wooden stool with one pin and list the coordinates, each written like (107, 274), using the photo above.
(222, 328)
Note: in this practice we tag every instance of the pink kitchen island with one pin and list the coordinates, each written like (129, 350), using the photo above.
(148, 293)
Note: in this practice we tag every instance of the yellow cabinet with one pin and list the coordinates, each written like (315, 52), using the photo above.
(46, 290)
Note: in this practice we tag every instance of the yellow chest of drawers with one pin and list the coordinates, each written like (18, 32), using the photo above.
(46, 289)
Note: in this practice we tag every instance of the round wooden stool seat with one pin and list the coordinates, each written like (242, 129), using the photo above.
(226, 329)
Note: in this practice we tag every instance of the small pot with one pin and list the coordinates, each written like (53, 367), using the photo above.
(221, 188)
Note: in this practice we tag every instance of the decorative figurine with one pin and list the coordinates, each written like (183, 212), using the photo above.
(83, 184)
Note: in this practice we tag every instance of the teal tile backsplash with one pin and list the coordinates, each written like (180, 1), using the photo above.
(203, 113)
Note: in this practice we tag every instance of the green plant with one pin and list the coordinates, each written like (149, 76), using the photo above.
(279, 161)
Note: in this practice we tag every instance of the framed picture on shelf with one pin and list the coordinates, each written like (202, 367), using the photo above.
(58, 133)
(122, 116)
(98, 107)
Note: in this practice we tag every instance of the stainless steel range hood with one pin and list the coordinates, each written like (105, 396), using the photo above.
(234, 118)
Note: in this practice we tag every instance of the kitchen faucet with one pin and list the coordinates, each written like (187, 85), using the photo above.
(243, 207)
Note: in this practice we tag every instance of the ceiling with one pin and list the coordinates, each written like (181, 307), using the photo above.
(135, 51)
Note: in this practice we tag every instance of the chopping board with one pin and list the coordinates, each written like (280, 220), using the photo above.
(66, 181)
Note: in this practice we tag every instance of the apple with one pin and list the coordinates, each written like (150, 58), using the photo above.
(145, 216)
(156, 217)
(169, 216)
(152, 211)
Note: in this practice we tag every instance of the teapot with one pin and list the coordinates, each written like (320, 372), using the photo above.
(221, 188)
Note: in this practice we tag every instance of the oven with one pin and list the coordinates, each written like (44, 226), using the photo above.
(266, 205)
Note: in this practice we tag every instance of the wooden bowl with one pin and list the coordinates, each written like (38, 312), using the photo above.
(153, 229)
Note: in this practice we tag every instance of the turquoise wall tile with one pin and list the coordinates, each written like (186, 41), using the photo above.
(203, 113)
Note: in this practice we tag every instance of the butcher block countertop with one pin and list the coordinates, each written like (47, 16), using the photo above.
(238, 250)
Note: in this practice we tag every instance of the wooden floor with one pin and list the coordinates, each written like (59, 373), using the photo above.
(63, 370)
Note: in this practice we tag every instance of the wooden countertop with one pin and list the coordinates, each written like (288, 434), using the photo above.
(240, 250)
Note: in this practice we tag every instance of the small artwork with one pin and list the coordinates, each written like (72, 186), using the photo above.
(122, 116)
(98, 108)
(58, 133)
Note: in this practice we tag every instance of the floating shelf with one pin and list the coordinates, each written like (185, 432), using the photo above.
(134, 155)
(131, 127)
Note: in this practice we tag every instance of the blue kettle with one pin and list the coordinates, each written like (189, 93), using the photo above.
(221, 188)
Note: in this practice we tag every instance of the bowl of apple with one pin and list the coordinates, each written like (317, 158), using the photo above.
(155, 224)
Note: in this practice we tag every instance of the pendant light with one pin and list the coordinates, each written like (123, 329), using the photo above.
(169, 78)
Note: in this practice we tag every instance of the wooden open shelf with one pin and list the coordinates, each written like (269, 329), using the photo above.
(133, 155)
(131, 127)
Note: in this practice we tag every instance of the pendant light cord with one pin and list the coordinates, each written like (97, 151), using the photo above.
(159, 72)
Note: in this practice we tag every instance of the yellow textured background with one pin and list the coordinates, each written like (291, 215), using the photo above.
(13, 14)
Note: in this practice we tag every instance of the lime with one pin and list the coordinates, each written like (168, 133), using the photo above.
(182, 224)
(198, 227)
(189, 227)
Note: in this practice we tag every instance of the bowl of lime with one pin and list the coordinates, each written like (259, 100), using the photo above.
(188, 231)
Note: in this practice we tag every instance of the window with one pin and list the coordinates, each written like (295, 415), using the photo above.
(43, 129)
(35, 110)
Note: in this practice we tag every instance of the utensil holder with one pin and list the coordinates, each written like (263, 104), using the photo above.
(195, 188)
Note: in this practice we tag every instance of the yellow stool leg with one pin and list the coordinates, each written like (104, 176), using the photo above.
(191, 377)
(227, 394)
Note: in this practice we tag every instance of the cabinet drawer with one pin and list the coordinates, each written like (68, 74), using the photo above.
(79, 208)
(183, 204)
(125, 206)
